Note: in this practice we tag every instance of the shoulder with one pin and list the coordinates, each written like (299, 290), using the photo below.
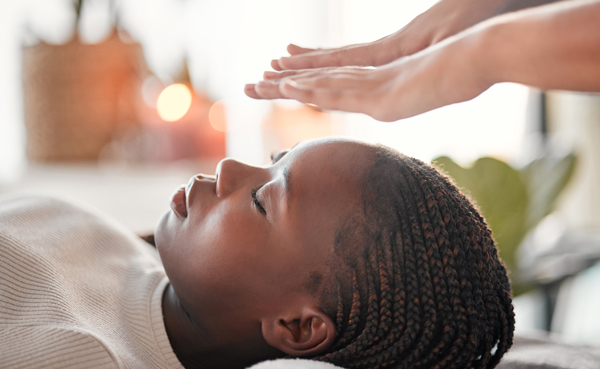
(45, 213)
(28, 217)
(32, 205)
(54, 347)
(42, 222)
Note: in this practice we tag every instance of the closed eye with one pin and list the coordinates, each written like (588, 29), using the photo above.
(256, 202)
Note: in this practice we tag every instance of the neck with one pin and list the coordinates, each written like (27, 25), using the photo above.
(186, 338)
(195, 345)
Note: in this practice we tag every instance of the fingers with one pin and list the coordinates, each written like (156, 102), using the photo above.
(275, 64)
(350, 100)
(297, 50)
(321, 72)
(263, 90)
(250, 91)
(303, 58)
(350, 90)
(268, 90)
(346, 88)
(293, 50)
(273, 76)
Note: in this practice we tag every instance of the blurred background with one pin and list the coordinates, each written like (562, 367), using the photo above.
(116, 103)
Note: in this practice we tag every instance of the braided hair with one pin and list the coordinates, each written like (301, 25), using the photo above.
(419, 282)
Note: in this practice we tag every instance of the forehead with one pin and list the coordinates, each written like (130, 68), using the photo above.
(326, 178)
(328, 167)
(338, 154)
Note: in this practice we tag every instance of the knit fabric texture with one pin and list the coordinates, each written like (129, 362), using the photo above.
(77, 290)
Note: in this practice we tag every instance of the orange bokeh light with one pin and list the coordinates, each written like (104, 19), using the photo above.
(174, 102)
(217, 116)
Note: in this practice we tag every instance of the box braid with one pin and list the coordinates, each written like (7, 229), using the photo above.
(428, 289)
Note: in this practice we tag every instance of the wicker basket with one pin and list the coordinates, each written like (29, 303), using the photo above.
(77, 97)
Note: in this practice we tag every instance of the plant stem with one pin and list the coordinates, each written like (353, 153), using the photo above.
(78, 6)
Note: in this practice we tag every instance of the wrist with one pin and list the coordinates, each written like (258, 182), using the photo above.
(474, 56)
(486, 50)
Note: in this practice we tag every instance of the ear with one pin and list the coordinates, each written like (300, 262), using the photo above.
(304, 333)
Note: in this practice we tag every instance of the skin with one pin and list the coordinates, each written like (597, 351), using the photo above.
(238, 277)
(444, 19)
(550, 47)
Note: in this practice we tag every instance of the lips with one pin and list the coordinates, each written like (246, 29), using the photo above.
(183, 198)
(179, 203)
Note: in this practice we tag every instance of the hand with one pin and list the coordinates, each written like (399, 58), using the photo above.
(444, 19)
(447, 73)
(515, 47)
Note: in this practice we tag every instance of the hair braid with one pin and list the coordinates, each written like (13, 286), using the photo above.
(428, 289)
(354, 318)
(474, 280)
(437, 239)
(420, 242)
(471, 295)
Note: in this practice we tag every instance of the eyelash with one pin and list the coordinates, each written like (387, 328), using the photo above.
(256, 202)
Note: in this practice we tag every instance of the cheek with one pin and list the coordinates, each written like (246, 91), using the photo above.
(225, 249)
(231, 229)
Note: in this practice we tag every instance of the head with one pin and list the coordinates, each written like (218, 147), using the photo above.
(343, 252)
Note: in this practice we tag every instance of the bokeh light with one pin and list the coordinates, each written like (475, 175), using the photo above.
(174, 102)
(217, 116)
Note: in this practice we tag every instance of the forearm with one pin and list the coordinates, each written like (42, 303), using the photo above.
(514, 5)
(448, 18)
(550, 47)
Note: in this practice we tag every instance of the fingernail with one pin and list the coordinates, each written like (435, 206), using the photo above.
(263, 85)
(270, 75)
(249, 86)
(291, 83)
(275, 64)
(282, 61)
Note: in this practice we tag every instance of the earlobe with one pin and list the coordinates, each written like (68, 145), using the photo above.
(306, 333)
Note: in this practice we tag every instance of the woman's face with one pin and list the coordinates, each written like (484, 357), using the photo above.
(246, 240)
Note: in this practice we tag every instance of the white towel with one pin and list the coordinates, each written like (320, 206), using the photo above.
(534, 351)
(293, 364)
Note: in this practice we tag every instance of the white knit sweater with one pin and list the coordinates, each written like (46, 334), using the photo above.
(77, 291)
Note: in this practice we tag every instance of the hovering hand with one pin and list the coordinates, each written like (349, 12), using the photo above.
(409, 86)
(515, 47)
(444, 19)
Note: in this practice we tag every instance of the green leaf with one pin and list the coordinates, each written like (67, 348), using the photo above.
(501, 195)
(546, 177)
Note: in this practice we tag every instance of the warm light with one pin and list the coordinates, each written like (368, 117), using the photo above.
(217, 116)
(173, 102)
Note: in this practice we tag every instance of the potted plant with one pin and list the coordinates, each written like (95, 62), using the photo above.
(78, 96)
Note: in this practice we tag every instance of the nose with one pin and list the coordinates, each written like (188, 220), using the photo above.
(232, 174)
